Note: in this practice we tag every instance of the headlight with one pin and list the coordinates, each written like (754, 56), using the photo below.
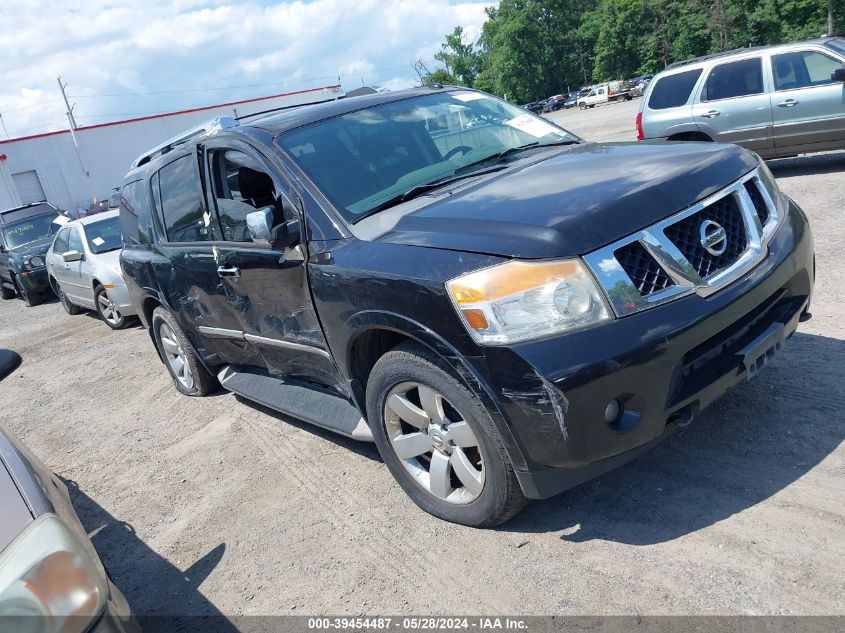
(47, 572)
(518, 301)
(770, 184)
(36, 262)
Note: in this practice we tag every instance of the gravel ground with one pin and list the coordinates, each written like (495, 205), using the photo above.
(209, 506)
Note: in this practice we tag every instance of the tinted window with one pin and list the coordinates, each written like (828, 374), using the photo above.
(104, 236)
(74, 241)
(837, 44)
(183, 212)
(735, 79)
(241, 185)
(673, 90)
(135, 213)
(802, 69)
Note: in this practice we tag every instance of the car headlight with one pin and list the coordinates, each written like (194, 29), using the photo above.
(36, 261)
(770, 184)
(47, 572)
(519, 301)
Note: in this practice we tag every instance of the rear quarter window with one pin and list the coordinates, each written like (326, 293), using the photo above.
(135, 217)
(673, 91)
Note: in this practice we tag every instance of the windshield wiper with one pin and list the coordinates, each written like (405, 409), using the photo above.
(493, 158)
(418, 190)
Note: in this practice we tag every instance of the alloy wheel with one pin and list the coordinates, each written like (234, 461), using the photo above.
(434, 442)
(175, 356)
(108, 309)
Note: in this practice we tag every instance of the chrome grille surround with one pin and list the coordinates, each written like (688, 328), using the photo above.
(623, 294)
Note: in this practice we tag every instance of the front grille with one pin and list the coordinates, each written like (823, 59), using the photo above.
(686, 235)
(758, 200)
(642, 268)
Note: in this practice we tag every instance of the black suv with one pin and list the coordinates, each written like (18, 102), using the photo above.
(25, 236)
(503, 308)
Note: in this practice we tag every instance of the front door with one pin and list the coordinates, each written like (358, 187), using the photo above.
(70, 272)
(268, 287)
(734, 106)
(194, 290)
(808, 107)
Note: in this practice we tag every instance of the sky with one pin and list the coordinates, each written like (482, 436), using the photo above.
(126, 60)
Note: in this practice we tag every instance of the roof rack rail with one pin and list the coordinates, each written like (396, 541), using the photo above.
(288, 107)
(702, 58)
(209, 127)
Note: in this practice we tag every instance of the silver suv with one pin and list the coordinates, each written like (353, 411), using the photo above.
(778, 101)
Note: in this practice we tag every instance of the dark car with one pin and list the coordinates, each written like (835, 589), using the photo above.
(505, 309)
(25, 236)
(571, 100)
(535, 106)
(51, 578)
(554, 103)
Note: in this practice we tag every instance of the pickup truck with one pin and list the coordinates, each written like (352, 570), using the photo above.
(614, 91)
(504, 309)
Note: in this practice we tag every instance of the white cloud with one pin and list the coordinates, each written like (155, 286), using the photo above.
(194, 46)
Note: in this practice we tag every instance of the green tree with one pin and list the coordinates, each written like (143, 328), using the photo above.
(459, 57)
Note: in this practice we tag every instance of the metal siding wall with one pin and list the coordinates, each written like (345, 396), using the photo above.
(108, 151)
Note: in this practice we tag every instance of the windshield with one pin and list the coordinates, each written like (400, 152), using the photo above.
(104, 236)
(362, 159)
(29, 230)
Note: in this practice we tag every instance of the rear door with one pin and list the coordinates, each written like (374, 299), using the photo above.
(733, 105)
(268, 288)
(197, 296)
(808, 107)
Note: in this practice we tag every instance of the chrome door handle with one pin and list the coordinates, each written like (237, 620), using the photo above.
(788, 103)
(228, 271)
(710, 115)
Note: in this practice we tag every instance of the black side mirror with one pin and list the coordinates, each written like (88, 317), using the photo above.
(9, 362)
(838, 75)
(262, 231)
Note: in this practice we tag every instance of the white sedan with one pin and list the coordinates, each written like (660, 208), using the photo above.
(84, 269)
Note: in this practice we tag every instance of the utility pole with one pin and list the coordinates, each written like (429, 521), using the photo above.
(5, 131)
(72, 123)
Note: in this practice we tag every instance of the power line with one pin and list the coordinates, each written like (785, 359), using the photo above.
(31, 105)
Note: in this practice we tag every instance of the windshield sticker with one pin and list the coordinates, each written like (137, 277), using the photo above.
(21, 229)
(532, 125)
(467, 96)
(98, 241)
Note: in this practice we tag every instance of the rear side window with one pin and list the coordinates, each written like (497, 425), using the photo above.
(803, 69)
(673, 91)
(135, 214)
(734, 79)
(183, 212)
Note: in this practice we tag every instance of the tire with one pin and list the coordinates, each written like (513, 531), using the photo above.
(582, 105)
(466, 436)
(7, 293)
(28, 298)
(70, 308)
(108, 312)
(172, 342)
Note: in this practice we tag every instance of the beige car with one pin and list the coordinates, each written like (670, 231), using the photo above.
(778, 101)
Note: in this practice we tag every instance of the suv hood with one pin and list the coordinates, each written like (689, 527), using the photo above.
(38, 247)
(569, 204)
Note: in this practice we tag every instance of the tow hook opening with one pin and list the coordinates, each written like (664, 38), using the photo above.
(682, 417)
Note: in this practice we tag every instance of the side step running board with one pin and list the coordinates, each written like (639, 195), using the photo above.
(321, 409)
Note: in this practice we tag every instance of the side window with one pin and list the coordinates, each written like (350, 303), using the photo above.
(734, 79)
(183, 212)
(803, 69)
(135, 213)
(60, 245)
(673, 91)
(241, 185)
(74, 241)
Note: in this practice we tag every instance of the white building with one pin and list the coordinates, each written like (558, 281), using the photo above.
(49, 167)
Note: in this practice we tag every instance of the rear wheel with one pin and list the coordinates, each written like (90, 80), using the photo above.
(189, 375)
(438, 440)
(108, 311)
(69, 307)
(7, 293)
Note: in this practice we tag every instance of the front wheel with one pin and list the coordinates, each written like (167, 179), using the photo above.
(28, 298)
(108, 311)
(438, 440)
(189, 375)
(69, 307)
(583, 106)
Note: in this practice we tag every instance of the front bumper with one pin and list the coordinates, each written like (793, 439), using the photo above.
(664, 365)
(36, 281)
